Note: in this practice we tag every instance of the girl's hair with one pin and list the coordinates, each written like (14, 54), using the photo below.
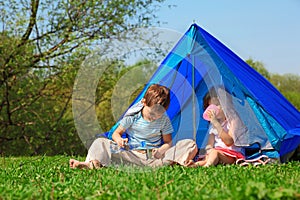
(210, 94)
(157, 94)
(216, 92)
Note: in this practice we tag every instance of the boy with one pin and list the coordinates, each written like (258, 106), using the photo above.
(149, 132)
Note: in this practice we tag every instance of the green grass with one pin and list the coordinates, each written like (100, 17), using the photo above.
(51, 178)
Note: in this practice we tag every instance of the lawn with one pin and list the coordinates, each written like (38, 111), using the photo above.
(51, 178)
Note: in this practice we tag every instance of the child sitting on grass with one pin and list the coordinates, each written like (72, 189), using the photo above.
(149, 131)
(220, 148)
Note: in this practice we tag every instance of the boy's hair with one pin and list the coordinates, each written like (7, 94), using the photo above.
(157, 94)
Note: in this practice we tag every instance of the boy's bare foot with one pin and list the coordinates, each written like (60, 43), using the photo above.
(77, 164)
(93, 164)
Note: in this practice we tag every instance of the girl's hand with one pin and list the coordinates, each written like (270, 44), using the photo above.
(157, 153)
(212, 116)
(209, 150)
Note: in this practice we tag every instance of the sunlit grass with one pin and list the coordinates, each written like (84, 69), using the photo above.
(51, 178)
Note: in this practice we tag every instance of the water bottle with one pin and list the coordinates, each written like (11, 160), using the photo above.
(148, 150)
(114, 147)
(133, 146)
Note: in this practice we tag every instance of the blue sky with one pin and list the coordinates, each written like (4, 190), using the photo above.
(264, 30)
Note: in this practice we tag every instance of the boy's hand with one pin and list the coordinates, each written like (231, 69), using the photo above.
(122, 142)
(157, 153)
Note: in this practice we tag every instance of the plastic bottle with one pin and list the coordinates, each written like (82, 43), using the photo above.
(114, 147)
(148, 150)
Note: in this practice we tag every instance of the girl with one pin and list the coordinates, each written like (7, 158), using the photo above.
(220, 148)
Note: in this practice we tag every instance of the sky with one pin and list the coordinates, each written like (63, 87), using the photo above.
(267, 31)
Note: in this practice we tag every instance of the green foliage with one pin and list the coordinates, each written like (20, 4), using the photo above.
(120, 85)
(43, 44)
(287, 84)
(259, 67)
(51, 178)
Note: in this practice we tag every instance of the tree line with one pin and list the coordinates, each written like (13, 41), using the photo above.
(43, 44)
(287, 84)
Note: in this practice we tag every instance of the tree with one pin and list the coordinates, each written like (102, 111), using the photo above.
(259, 67)
(42, 46)
(127, 82)
(287, 84)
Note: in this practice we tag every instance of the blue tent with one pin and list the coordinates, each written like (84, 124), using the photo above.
(198, 62)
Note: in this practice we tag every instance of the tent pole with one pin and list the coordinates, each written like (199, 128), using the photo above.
(193, 98)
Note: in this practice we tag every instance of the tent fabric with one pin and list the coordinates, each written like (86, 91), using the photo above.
(198, 62)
